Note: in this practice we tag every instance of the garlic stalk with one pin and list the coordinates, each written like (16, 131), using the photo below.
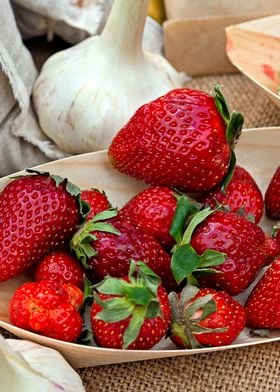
(85, 94)
(27, 366)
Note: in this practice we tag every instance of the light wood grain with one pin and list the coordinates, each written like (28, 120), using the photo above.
(254, 48)
(258, 151)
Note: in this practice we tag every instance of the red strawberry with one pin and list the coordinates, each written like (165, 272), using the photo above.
(62, 267)
(182, 139)
(205, 317)
(38, 213)
(106, 248)
(131, 312)
(223, 242)
(49, 309)
(272, 196)
(263, 304)
(242, 195)
(97, 201)
(153, 210)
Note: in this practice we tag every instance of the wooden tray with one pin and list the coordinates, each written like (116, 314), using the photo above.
(254, 48)
(257, 150)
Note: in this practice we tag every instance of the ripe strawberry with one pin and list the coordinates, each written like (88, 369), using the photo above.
(105, 245)
(272, 196)
(263, 305)
(38, 213)
(97, 201)
(183, 139)
(48, 308)
(153, 210)
(205, 317)
(223, 242)
(131, 312)
(62, 267)
(242, 195)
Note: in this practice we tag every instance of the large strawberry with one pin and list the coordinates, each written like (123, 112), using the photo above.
(221, 242)
(62, 267)
(38, 213)
(96, 200)
(205, 317)
(48, 308)
(242, 195)
(131, 312)
(272, 196)
(153, 210)
(263, 304)
(106, 244)
(183, 139)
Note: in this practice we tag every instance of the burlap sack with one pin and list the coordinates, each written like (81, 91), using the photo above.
(22, 143)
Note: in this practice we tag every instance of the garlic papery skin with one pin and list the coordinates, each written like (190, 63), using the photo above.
(85, 94)
(29, 367)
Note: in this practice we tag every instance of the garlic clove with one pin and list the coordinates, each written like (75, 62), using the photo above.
(26, 365)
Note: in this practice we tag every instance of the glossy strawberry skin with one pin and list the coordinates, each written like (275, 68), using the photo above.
(241, 194)
(242, 241)
(62, 267)
(36, 217)
(272, 196)
(97, 201)
(178, 140)
(48, 309)
(110, 335)
(152, 210)
(263, 304)
(229, 314)
(114, 253)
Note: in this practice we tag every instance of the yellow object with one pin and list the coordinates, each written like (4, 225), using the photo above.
(156, 10)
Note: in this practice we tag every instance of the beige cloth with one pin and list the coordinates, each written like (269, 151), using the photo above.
(22, 143)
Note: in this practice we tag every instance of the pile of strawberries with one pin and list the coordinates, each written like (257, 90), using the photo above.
(171, 260)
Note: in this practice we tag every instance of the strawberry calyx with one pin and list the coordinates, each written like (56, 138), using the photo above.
(134, 297)
(187, 315)
(70, 187)
(234, 123)
(185, 261)
(81, 242)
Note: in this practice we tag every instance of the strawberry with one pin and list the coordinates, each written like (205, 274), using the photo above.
(48, 308)
(38, 213)
(205, 317)
(131, 312)
(272, 196)
(242, 195)
(263, 304)
(106, 244)
(97, 201)
(153, 210)
(60, 266)
(228, 247)
(183, 139)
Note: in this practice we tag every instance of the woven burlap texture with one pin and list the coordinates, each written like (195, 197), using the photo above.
(252, 369)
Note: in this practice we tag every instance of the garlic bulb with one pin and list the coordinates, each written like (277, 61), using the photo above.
(27, 366)
(85, 94)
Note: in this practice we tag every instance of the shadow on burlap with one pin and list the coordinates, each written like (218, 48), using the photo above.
(252, 369)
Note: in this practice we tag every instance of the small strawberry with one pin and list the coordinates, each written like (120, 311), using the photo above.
(226, 246)
(242, 195)
(183, 139)
(131, 312)
(153, 210)
(205, 317)
(48, 308)
(272, 196)
(97, 201)
(62, 267)
(38, 213)
(105, 245)
(263, 305)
